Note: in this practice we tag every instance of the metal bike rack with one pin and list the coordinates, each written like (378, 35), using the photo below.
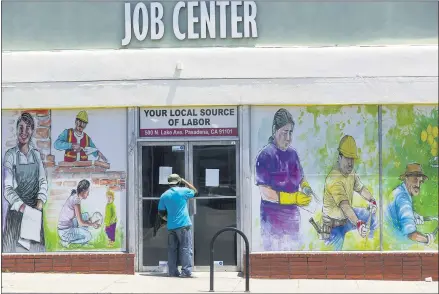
(247, 261)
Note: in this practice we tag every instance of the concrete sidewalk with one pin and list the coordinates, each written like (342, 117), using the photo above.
(224, 282)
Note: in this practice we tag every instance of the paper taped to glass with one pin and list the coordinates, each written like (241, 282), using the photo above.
(212, 177)
(164, 172)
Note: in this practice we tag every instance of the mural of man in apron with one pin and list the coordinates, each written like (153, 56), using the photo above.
(25, 185)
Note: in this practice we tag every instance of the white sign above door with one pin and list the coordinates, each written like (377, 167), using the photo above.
(189, 122)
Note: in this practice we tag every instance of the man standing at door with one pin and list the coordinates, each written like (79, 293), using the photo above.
(173, 208)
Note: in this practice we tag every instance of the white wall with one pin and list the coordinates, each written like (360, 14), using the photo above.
(220, 76)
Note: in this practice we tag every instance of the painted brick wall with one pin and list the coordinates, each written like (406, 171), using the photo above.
(82, 167)
(95, 263)
(357, 266)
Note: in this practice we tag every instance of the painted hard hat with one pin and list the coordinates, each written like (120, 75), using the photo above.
(348, 147)
(82, 116)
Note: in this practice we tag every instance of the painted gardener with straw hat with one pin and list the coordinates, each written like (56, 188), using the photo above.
(401, 218)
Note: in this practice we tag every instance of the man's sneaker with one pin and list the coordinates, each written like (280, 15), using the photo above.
(177, 274)
(183, 275)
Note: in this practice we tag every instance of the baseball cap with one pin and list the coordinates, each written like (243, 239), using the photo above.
(174, 179)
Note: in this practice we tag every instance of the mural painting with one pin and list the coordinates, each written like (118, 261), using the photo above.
(76, 144)
(282, 185)
(25, 190)
(339, 216)
(63, 196)
(410, 177)
(316, 180)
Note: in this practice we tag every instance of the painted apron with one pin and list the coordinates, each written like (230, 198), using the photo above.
(27, 177)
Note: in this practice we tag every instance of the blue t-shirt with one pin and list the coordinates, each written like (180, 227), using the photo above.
(400, 212)
(174, 201)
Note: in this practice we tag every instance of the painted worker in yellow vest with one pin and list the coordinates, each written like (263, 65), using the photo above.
(339, 217)
(76, 143)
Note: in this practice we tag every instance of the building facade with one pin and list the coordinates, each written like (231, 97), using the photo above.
(311, 127)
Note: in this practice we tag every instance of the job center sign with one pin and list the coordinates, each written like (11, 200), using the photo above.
(189, 121)
(190, 20)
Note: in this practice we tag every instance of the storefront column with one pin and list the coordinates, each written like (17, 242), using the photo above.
(133, 220)
(245, 167)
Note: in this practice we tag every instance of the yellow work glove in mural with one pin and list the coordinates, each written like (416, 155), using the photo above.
(296, 198)
(305, 184)
(306, 188)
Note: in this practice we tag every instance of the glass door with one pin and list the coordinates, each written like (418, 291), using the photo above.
(213, 171)
(212, 168)
(157, 161)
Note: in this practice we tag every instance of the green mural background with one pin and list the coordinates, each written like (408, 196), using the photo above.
(364, 119)
(410, 134)
(316, 137)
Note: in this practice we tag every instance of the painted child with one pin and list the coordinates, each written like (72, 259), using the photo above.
(110, 218)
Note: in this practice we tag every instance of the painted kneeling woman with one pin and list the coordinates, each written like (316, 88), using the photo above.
(72, 225)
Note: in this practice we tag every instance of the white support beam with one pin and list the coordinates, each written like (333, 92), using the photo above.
(220, 76)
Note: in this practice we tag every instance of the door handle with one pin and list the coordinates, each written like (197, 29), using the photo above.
(192, 207)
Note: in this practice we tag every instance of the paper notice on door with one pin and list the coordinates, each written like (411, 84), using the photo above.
(31, 224)
(212, 177)
(164, 172)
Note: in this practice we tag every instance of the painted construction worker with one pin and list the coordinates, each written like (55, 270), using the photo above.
(339, 217)
(76, 143)
(401, 219)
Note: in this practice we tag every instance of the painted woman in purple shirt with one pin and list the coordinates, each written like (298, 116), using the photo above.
(283, 188)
